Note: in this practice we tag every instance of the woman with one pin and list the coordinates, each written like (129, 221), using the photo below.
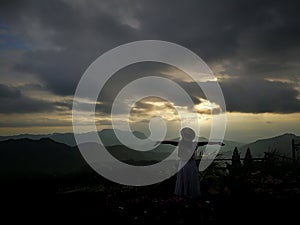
(187, 182)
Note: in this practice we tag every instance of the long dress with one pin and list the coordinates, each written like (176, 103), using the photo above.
(187, 182)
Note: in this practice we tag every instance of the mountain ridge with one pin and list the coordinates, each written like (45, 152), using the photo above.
(69, 139)
(46, 157)
(281, 143)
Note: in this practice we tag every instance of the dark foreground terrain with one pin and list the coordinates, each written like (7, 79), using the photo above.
(256, 196)
(44, 180)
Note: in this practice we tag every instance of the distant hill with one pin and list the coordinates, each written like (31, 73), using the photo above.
(109, 139)
(226, 150)
(22, 136)
(281, 144)
(107, 136)
(26, 158)
(57, 154)
(126, 154)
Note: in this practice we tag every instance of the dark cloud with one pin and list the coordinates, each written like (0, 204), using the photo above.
(135, 71)
(65, 38)
(14, 101)
(225, 28)
(9, 92)
(60, 77)
(259, 96)
(24, 105)
(252, 40)
(251, 95)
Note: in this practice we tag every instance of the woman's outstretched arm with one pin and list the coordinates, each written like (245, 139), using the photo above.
(175, 143)
(202, 143)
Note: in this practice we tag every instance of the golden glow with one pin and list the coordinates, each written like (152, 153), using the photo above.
(150, 107)
(206, 107)
(178, 75)
(243, 127)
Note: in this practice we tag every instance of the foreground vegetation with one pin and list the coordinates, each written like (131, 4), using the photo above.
(259, 191)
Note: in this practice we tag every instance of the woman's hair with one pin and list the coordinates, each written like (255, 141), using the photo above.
(187, 133)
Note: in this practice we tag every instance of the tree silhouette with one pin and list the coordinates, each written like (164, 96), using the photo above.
(236, 160)
(248, 161)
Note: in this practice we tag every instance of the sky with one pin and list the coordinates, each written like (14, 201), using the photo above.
(252, 47)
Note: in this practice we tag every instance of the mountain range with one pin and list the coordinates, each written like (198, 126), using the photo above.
(281, 144)
(27, 156)
(107, 136)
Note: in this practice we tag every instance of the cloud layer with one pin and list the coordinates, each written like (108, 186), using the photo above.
(255, 45)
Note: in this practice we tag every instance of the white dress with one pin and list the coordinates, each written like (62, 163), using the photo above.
(187, 183)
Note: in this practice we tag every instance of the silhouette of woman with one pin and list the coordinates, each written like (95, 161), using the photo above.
(187, 182)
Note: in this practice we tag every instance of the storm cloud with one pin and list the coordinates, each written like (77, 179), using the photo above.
(254, 42)
(14, 101)
(260, 96)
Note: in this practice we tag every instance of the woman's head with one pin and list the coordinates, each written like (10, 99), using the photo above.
(187, 134)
